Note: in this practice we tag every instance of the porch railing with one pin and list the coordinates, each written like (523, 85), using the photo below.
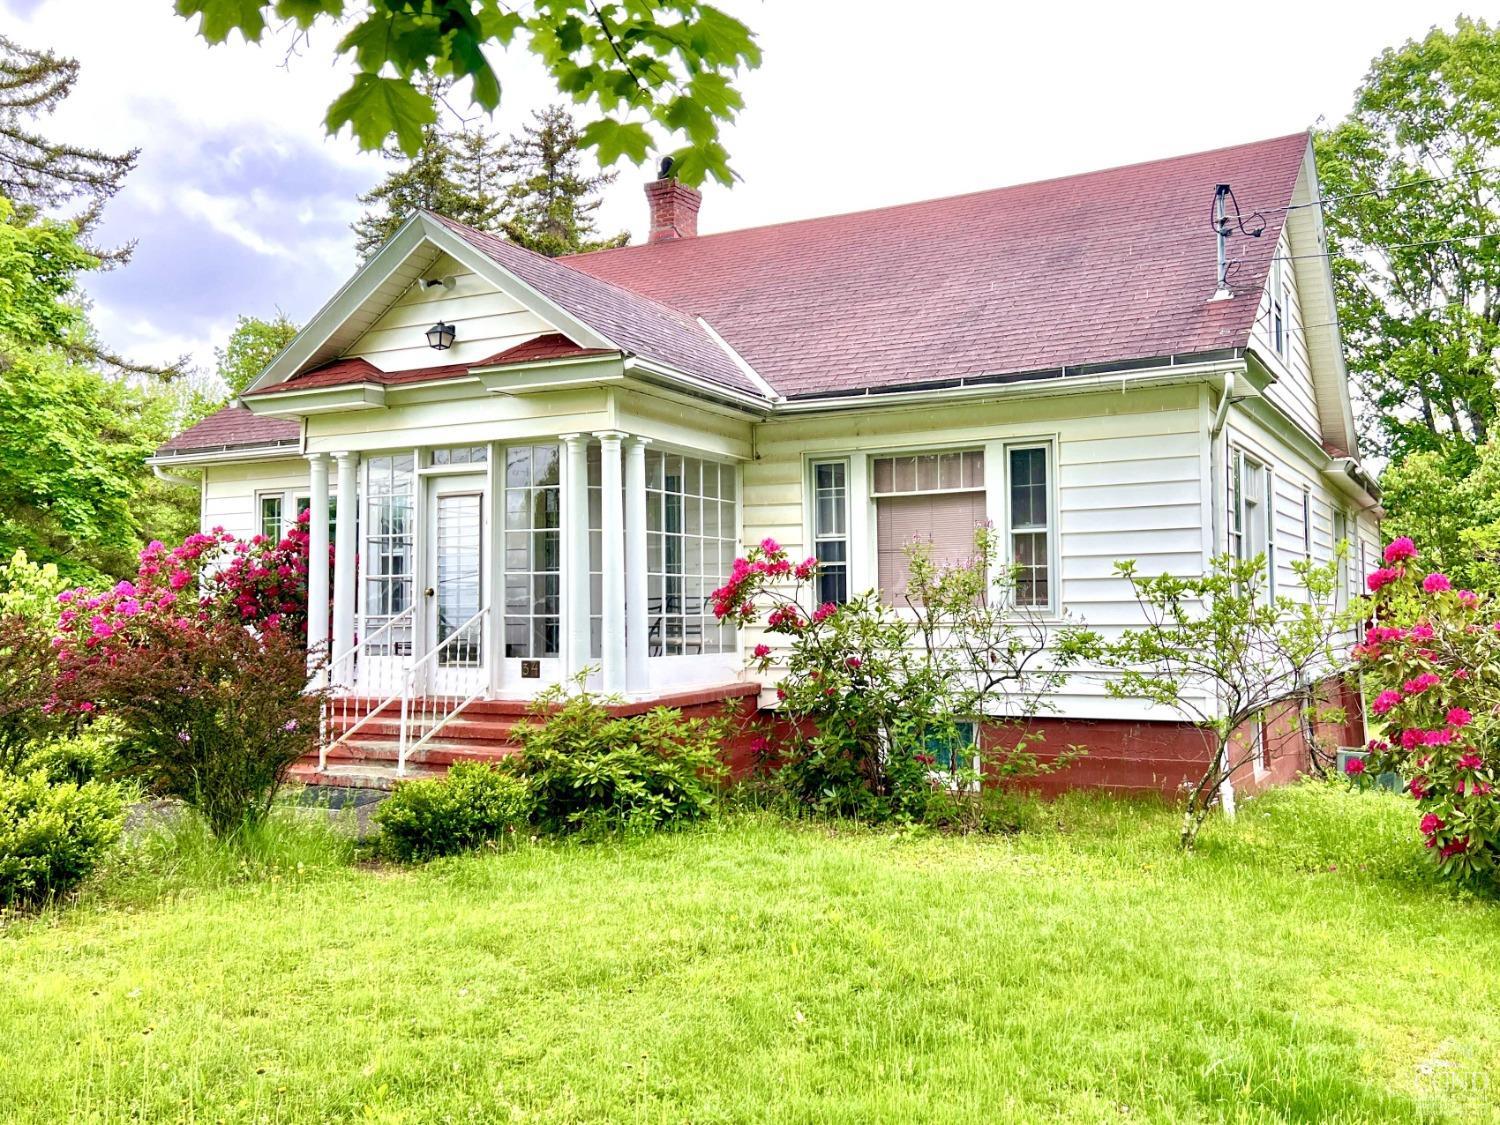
(376, 680)
(440, 685)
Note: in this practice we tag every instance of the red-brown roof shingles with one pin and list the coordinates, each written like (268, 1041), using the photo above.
(1095, 268)
(233, 427)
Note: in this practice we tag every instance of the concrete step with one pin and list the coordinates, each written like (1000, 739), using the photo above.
(364, 775)
(438, 751)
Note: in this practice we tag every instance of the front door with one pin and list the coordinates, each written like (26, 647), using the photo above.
(456, 590)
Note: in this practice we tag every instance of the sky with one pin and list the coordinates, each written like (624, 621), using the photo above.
(242, 204)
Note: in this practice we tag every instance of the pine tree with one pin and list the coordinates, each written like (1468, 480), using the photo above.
(37, 173)
(549, 200)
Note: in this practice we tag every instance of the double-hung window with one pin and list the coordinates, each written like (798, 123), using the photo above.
(1278, 305)
(1028, 518)
(937, 499)
(1341, 552)
(1249, 513)
(830, 527)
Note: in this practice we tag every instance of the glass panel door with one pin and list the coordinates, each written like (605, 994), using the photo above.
(532, 628)
(459, 581)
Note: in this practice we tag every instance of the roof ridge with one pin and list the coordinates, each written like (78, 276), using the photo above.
(1133, 165)
(688, 318)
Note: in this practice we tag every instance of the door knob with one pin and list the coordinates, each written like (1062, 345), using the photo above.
(429, 591)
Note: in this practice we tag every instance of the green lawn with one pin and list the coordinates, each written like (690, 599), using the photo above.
(1297, 968)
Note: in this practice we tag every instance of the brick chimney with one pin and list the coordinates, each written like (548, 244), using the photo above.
(674, 209)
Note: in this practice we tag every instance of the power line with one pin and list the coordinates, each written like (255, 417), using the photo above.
(1392, 246)
(1376, 191)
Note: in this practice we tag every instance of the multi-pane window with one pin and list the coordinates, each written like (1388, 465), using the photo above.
(461, 455)
(389, 549)
(1278, 306)
(830, 481)
(936, 499)
(1249, 513)
(1307, 524)
(271, 505)
(691, 532)
(533, 551)
(1341, 552)
(1029, 520)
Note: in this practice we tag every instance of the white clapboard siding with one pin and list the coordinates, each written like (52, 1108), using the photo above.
(229, 492)
(1293, 389)
(486, 322)
(1129, 484)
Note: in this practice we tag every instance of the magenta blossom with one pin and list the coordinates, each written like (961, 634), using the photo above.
(1470, 762)
(770, 546)
(762, 651)
(1436, 583)
(1419, 684)
(1382, 577)
(1431, 824)
(1459, 716)
(1354, 766)
(1469, 598)
(1399, 549)
(1385, 701)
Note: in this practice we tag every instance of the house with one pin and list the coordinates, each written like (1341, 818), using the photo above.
(529, 466)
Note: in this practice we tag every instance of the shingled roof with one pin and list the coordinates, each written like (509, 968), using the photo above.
(233, 428)
(1088, 269)
(1100, 268)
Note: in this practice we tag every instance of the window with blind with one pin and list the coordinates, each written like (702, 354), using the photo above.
(1028, 490)
(937, 499)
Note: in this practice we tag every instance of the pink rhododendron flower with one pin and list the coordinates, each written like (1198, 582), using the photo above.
(1469, 598)
(761, 651)
(1470, 761)
(824, 611)
(1419, 684)
(1454, 847)
(1431, 823)
(1411, 739)
(806, 569)
(770, 546)
(1382, 577)
(1437, 737)
(1417, 787)
(1436, 583)
(1398, 549)
(759, 744)
(1459, 716)
(853, 663)
(1354, 766)
(1385, 701)
(1421, 631)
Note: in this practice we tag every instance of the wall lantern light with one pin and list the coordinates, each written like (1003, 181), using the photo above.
(440, 336)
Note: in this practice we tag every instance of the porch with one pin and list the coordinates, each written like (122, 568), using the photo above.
(472, 577)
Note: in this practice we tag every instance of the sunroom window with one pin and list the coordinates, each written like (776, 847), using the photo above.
(937, 499)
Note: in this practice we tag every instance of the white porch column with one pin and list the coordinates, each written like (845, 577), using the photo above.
(344, 551)
(575, 521)
(317, 561)
(637, 619)
(613, 525)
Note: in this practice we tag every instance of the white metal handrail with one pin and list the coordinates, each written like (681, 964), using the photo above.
(344, 703)
(425, 706)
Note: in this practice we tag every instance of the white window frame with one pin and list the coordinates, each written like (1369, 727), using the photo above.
(1052, 608)
(1341, 572)
(292, 500)
(872, 497)
(1307, 528)
(817, 537)
(1278, 305)
(1242, 463)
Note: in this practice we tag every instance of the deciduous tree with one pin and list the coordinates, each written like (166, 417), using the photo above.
(1413, 179)
(655, 74)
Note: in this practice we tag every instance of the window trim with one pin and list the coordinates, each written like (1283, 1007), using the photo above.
(1052, 609)
(1237, 505)
(847, 538)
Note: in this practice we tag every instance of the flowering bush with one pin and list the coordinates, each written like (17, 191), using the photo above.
(883, 706)
(202, 662)
(1432, 662)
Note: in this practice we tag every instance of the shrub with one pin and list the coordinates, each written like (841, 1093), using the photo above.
(1432, 671)
(593, 771)
(881, 704)
(201, 661)
(476, 804)
(52, 836)
(89, 755)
